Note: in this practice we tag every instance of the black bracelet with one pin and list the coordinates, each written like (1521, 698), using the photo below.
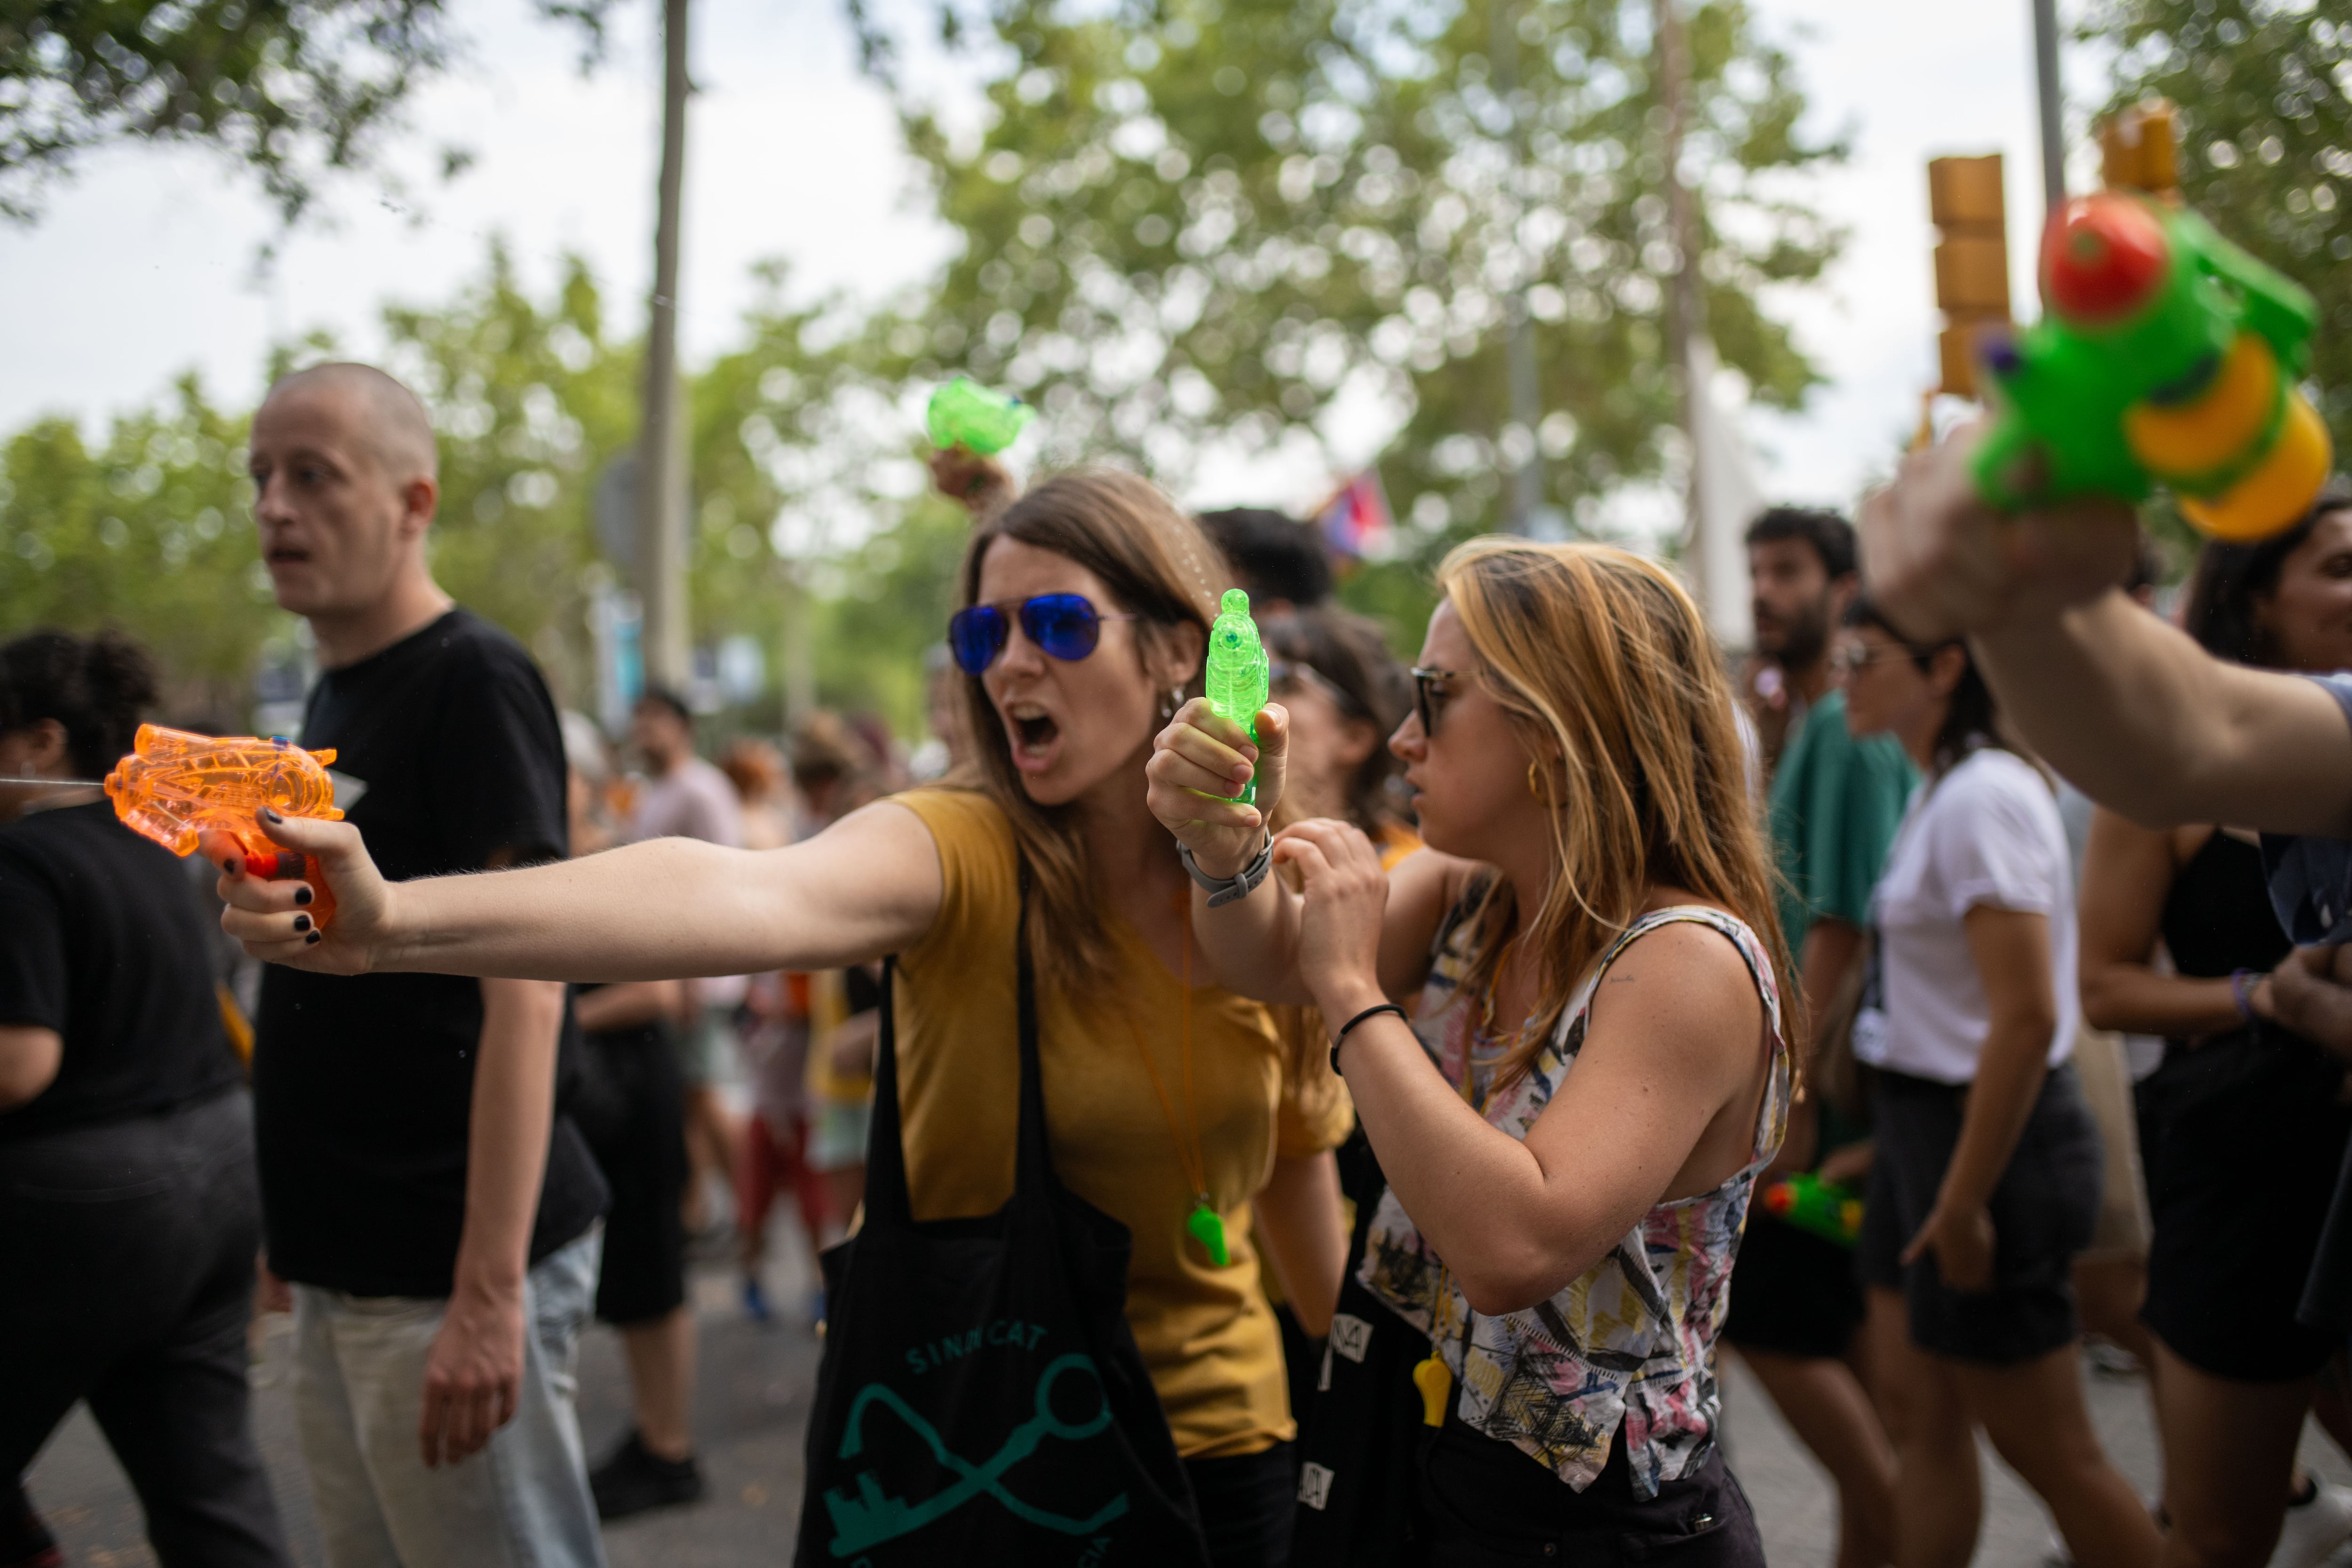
(1373, 1012)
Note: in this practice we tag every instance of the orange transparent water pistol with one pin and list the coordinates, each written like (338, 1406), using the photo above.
(174, 785)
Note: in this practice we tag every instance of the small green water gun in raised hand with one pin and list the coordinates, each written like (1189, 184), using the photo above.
(1236, 677)
(965, 414)
(1827, 1209)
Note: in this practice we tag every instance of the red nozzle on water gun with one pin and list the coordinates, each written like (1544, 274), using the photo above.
(174, 785)
(1826, 1209)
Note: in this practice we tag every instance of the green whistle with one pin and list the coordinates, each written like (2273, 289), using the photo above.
(1210, 1231)
(965, 414)
(1236, 676)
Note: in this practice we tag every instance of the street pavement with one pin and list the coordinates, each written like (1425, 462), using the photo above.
(753, 1403)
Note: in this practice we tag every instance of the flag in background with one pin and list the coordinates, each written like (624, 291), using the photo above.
(1355, 522)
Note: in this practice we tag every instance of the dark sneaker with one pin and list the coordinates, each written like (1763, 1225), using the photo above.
(25, 1540)
(634, 1480)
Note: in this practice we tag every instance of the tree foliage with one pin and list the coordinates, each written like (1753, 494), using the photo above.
(796, 447)
(290, 89)
(149, 530)
(2266, 134)
(809, 489)
(1199, 219)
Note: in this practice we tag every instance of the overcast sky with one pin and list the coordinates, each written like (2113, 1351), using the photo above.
(142, 267)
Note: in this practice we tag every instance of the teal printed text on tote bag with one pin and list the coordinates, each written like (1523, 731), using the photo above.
(873, 1516)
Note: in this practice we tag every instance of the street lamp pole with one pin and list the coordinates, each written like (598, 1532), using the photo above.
(2054, 129)
(661, 455)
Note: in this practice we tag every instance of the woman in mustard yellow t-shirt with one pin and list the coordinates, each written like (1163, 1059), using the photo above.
(1087, 609)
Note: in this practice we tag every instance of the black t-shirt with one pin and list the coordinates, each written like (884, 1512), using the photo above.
(449, 753)
(103, 940)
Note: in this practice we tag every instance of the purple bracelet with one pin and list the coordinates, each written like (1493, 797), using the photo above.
(2241, 992)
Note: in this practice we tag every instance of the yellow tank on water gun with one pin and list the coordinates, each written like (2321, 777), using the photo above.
(174, 785)
(2165, 355)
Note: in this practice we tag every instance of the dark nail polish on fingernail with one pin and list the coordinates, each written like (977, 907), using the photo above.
(232, 867)
(269, 815)
(301, 923)
(312, 937)
(301, 895)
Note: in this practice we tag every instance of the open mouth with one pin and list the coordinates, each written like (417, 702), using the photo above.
(287, 555)
(1032, 732)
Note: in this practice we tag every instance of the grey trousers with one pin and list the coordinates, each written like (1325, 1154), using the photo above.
(359, 1391)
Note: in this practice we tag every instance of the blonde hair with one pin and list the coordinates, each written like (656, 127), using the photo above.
(1158, 565)
(1618, 694)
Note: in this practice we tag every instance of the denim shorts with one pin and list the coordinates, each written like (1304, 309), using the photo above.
(2045, 1209)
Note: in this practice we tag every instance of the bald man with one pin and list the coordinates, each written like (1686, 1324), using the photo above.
(433, 1207)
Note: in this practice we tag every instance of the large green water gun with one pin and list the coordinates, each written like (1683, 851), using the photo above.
(965, 414)
(1236, 677)
(2164, 354)
(1827, 1209)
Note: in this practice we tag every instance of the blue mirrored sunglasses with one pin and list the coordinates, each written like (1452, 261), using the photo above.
(1066, 626)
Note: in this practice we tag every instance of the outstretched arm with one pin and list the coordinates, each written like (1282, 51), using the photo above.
(2146, 722)
(2139, 716)
(671, 909)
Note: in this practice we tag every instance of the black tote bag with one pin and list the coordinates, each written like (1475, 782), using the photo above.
(1361, 1435)
(981, 1399)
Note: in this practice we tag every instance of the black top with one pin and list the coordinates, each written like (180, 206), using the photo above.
(449, 755)
(2310, 882)
(2217, 916)
(103, 940)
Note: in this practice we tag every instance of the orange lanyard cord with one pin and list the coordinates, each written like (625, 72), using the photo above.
(1194, 1158)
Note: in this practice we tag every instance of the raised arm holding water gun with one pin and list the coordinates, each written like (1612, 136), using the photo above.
(2169, 354)
(970, 427)
(2134, 711)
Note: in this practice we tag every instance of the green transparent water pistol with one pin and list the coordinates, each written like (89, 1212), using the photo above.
(1236, 677)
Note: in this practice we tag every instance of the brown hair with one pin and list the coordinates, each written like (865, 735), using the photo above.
(1158, 566)
(1616, 689)
(1353, 658)
(753, 768)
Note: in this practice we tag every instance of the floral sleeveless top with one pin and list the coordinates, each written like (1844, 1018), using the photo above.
(1631, 1342)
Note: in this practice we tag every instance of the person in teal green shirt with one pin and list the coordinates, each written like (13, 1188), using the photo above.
(1836, 803)
(1796, 1304)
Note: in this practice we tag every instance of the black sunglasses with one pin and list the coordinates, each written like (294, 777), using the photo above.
(1430, 695)
(1066, 625)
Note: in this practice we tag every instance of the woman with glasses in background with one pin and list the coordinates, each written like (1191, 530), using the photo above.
(1087, 610)
(1345, 694)
(1986, 1176)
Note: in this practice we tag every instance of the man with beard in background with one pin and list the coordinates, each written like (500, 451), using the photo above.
(1796, 1305)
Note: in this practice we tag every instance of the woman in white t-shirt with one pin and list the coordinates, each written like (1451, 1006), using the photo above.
(1986, 1182)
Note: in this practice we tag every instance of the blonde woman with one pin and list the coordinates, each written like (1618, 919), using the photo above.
(1086, 607)
(1601, 1066)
